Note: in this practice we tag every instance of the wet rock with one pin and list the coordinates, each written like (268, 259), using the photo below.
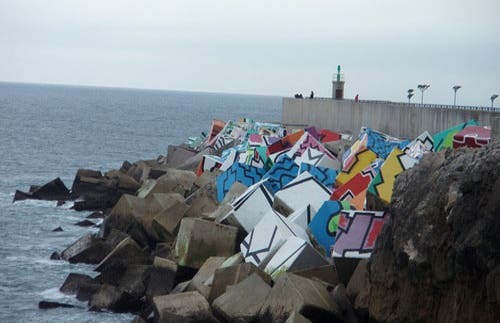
(126, 253)
(45, 305)
(162, 250)
(162, 278)
(137, 319)
(81, 187)
(232, 275)
(200, 239)
(55, 256)
(54, 190)
(189, 305)
(73, 283)
(85, 223)
(432, 260)
(58, 229)
(112, 298)
(59, 203)
(88, 249)
(243, 301)
(96, 215)
(295, 293)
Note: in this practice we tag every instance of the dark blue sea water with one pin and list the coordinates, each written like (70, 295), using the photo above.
(49, 131)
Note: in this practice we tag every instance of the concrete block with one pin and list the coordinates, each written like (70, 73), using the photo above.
(303, 216)
(251, 206)
(245, 174)
(308, 141)
(357, 232)
(188, 305)
(127, 252)
(323, 226)
(228, 276)
(324, 175)
(206, 271)
(396, 163)
(162, 277)
(243, 301)
(292, 293)
(267, 236)
(326, 273)
(294, 254)
(297, 318)
(199, 239)
(303, 190)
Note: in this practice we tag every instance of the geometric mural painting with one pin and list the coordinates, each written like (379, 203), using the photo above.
(357, 232)
(383, 183)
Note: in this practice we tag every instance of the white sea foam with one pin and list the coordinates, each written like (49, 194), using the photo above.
(53, 293)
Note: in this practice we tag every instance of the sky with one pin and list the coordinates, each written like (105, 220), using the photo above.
(258, 47)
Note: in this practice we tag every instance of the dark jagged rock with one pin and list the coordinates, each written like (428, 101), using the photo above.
(73, 283)
(45, 305)
(114, 299)
(162, 278)
(434, 259)
(54, 190)
(126, 253)
(85, 223)
(55, 256)
(96, 215)
(58, 229)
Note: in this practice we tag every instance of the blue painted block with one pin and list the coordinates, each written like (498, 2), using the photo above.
(245, 174)
(282, 173)
(325, 176)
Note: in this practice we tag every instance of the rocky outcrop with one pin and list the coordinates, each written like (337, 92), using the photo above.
(438, 258)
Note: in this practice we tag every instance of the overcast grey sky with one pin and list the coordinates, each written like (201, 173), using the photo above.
(261, 47)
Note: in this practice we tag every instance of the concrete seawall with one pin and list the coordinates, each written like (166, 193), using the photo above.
(401, 120)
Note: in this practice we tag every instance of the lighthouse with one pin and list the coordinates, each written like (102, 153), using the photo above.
(338, 85)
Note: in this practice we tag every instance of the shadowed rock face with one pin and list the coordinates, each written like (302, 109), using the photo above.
(438, 258)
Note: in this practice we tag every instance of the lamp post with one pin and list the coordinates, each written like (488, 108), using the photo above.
(493, 97)
(455, 88)
(410, 94)
(422, 88)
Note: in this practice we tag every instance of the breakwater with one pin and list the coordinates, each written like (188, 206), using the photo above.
(398, 119)
(222, 227)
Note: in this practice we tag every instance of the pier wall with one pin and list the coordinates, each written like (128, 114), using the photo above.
(397, 119)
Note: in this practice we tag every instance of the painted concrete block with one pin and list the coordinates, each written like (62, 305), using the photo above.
(282, 173)
(323, 226)
(285, 143)
(381, 143)
(444, 139)
(295, 254)
(251, 206)
(357, 185)
(420, 145)
(305, 142)
(303, 190)
(325, 176)
(245, 174)
(473, 137)
(354, 165)
(302, 217)
(329, 136)
(357, 232)
(383, 183)
(209, 163)
(267, 236)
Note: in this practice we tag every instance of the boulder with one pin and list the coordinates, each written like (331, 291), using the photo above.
(295, 293)
(96, 215)
(134, 280)
(432, 260)
(206, 271)
(232, 275)
(58, 229)
(192, 163)
(202, 202)
(162, 277)
(81, 187)
(200, 239)
(165, 224)
(55, 256)
(243, 301)
(189, 305)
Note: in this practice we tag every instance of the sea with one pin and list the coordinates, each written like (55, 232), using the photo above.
(49, 131)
